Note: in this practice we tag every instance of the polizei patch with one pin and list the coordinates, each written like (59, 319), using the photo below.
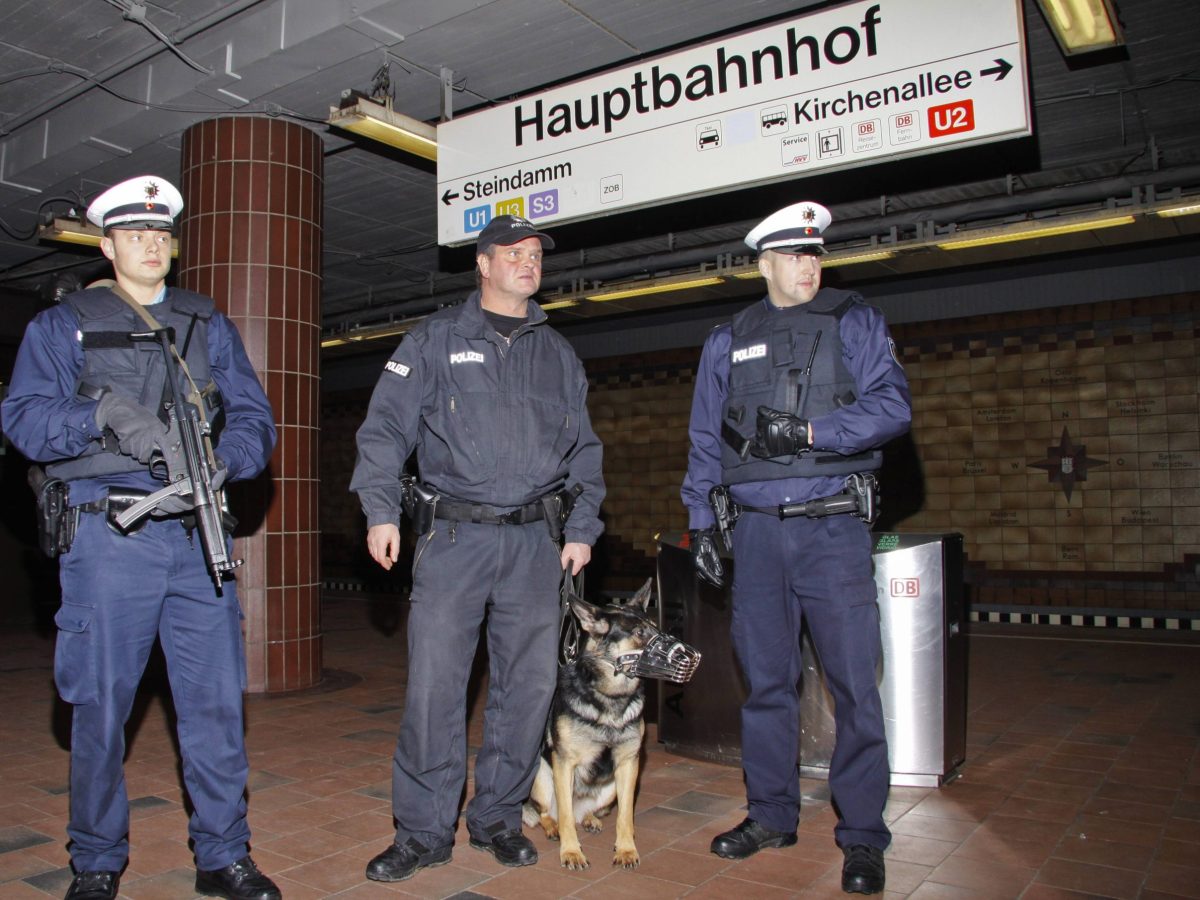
(755, 351)
(465, 357)
(399, 368)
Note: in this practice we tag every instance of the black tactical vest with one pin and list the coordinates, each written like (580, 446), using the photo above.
(135, 368)
(790, 360)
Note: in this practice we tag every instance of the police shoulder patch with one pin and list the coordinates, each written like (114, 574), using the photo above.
(399, 368)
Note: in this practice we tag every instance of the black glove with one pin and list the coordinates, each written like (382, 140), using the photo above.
(778, 434)
(220, 473)
(139, 432)
(705, 556)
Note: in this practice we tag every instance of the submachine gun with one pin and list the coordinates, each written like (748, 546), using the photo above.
(195, 480)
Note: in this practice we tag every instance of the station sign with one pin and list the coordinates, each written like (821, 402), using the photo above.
(858, 84)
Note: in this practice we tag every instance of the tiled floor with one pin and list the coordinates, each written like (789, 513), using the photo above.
(1083, 779)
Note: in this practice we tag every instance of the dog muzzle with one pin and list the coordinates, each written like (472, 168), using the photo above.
(664, 657)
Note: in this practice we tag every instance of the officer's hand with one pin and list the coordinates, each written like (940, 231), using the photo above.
(576, 556)
(705, 556)
(139, 432)
(778, 434)
(383, 543)
(220, 473)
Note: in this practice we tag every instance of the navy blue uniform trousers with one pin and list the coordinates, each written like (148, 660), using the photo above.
(788, 571)
(119, 594)
(462, 573)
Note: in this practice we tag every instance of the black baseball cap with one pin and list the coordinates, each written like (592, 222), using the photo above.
(506, 230)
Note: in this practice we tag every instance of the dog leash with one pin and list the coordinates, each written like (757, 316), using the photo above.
(568, 626)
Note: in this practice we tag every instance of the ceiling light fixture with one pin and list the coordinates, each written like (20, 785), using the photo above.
(70, 231)
(1184, 209)
(559, 304)
(1081, 26)
(1029, 231)
(384, 124)
(361, 335)
(656, 287)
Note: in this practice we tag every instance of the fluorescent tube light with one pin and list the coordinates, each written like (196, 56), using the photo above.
(69, 231)
(1081, 26)
(1027, 231)
(384, 124)
(656, 287)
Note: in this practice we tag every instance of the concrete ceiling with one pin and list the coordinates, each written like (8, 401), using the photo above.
(94, 91)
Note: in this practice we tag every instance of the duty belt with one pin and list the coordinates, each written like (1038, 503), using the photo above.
(482, 514)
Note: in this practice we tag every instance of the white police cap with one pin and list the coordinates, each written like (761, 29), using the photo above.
(143, 202)
(795, 228)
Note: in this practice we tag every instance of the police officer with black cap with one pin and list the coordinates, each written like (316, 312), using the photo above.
(87, 400)
(493, 402)
(793, 398)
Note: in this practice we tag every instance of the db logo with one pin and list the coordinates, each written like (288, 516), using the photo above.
(906, 587)
(866, 128)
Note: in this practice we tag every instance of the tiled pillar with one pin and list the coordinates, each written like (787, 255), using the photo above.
(250, 237)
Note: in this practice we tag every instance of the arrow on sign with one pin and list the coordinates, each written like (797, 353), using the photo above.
(1002, 68)
(450, 195)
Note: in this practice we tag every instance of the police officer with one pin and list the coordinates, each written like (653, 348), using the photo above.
(493, 401)
(792, 400)
(88, 401)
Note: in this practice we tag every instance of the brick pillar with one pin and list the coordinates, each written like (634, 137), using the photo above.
(250, 238)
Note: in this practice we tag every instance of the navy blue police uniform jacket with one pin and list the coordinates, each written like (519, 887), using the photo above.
(880, 411)
(494, 422)
(48, 420)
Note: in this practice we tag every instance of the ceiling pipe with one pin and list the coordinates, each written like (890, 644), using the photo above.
(852, 229)
(120, 68)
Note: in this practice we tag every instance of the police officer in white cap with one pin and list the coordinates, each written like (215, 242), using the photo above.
(793, 399)
(87, 401)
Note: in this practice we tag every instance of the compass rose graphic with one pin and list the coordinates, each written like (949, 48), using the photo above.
(1067, 463)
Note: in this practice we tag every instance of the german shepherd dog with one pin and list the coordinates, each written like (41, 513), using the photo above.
(594, 734)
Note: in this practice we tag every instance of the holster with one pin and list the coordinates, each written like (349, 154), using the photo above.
(865, 489)
(57, 521)
(725, 513)
(558, 506)
(419, 502)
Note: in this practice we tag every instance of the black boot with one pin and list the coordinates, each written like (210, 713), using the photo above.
(94, 886)
(862, 871)
(399, 862)
(239, 880)
(510, 847)
(747, 839)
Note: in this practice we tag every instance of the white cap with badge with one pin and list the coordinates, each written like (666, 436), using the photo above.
(143, 202)
(793, 229)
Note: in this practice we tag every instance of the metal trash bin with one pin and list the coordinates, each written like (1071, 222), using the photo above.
(923, 674)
